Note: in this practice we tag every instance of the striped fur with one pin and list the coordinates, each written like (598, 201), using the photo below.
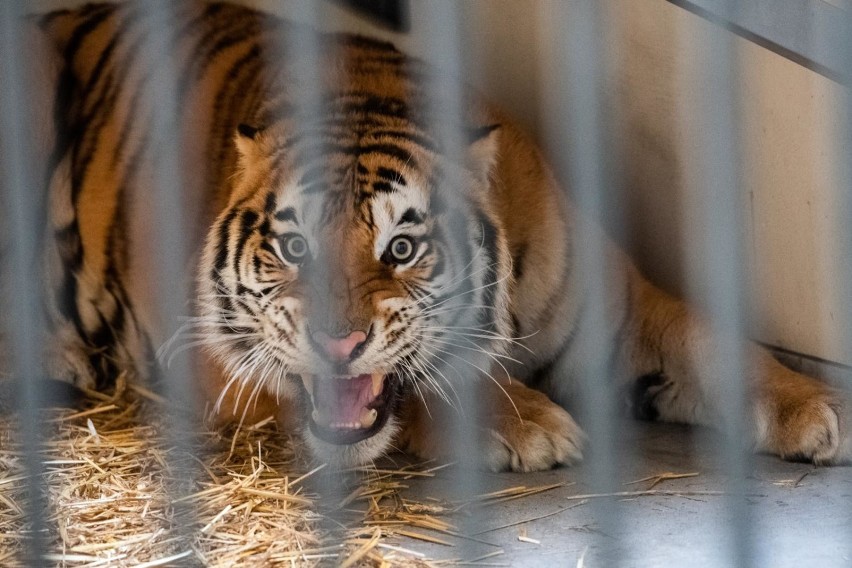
(348, 151)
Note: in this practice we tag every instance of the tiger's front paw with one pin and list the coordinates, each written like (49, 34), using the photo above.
(530, 432)
(807, 420)
(522, 430)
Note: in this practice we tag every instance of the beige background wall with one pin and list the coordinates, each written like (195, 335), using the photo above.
(789, 117)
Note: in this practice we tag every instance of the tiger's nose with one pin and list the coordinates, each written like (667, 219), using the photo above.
(339, 349)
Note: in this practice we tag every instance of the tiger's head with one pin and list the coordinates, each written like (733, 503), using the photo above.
(353, 266)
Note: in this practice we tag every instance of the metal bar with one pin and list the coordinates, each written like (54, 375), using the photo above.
(841, 224)
(24, 217)
(803, 31)
(579, 138)
(174, 275)
(715, 269)
(447, 118)
(303, 58)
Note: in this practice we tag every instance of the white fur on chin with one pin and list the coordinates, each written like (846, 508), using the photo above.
(352, 455)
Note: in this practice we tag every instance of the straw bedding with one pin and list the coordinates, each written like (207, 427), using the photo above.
(117, 496)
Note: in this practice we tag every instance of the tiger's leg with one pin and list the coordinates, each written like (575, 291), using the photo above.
(679, 360)
(65, 357)
(70, 356)
(522, 430)
(94, 335)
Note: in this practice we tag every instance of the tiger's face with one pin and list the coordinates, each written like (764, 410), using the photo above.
(346, 272)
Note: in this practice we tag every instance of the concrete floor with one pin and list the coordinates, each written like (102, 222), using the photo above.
(791, 514)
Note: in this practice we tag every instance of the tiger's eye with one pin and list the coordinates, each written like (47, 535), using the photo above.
(401, 249)
(294, 248)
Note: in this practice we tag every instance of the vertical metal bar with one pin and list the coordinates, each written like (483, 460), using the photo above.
(23, 218)
(166, 202)
(842, 158)
(447, 117)
(577, 133)
(715, 271)
(301, 59)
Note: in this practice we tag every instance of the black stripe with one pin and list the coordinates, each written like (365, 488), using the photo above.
(518, 262)
(288, 214)
(94, 19)
(367, 104)
(411, 216)
(67, 298)
(265, 227)
(99, 360)
(269, 206)
(246, 230)
(222, 243)
(79, 127)
(148, 51)
(397, 152)
(419, 139)
(243, 290)
(230, 106)
(383, 187)
(289, 318)
(489, 293)
(97, 109)
(391, 175)
(213, 42)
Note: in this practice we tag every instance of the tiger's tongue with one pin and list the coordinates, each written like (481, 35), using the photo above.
(344, 401)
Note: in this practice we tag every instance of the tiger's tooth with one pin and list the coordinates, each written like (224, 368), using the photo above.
(368, 417)
(308, 381)
(378, 380)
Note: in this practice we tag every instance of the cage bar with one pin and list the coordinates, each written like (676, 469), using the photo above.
(716, 278)
(578, 134)
(172, 282)
(842, 162)
(468, 367)
(300, 58)
(23, 215)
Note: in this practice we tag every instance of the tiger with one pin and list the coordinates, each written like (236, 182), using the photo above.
(355, 265)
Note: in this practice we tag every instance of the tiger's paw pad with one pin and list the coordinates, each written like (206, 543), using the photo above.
(537, 437)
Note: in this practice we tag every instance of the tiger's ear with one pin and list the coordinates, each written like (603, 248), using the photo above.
(247, 141)
(482, 144)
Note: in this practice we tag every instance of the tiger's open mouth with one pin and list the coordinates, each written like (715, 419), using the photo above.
(346, 410)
